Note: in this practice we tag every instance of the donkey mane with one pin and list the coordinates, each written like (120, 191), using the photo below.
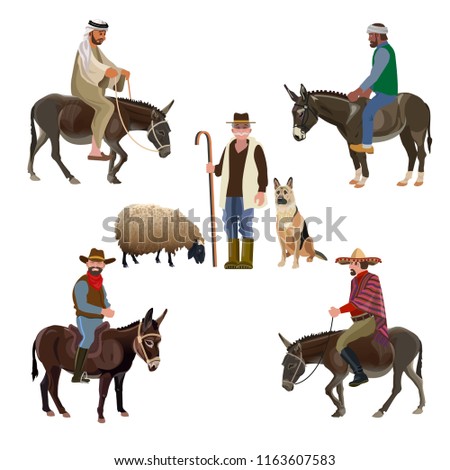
(132, 325)
(314, 336)
(140, 103)
(329, 93)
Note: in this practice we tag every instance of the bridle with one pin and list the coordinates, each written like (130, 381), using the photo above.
(306, 110)
(301, 360)
(140, 338)
(150, 129)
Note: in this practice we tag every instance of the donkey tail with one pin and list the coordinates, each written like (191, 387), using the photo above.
(320, 255)
(34, 371)
(419, 362)
(429, 139)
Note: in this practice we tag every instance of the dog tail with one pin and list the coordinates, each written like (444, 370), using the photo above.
(320, 255)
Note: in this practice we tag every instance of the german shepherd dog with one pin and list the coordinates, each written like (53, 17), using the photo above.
(291, 227)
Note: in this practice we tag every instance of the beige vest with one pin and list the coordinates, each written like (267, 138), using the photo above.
(250, 179)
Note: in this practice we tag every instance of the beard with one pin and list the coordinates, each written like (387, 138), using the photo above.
(97, 42)
(95, 271)
(352, 272)
(373, 44)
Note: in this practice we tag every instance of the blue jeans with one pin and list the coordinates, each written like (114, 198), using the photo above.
(234, 215)
(380, 100)
(87, 328)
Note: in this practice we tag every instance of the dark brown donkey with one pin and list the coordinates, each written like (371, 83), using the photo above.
(376, 361)
(69, 117)
(55, 347)
(408, 116)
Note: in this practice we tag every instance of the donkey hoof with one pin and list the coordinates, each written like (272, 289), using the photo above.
(50, 413)
(402, 183)
(113, 180)
(378, 414)
(124, 414)
(339, 413)
(73, 180)
(34, 178)
(359, 185)
(419, 411)
(66, 415)
(418, 183)
(353, 182)
(101, 420)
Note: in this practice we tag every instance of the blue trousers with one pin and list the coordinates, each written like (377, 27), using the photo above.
(380, 100)
(236, 219)
(87, 328)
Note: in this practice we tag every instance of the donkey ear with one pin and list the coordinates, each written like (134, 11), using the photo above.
(148, 318)
(161, 318)
(167, 108)
(276, 183)
(303, 92)
(293, 96)
(284, 340)
(290, 182)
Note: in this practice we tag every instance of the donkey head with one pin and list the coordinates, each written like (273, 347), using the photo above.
(293, 363)
(158, 131)
(305, 117)
(146, 344)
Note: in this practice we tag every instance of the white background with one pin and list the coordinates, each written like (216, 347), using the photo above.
(218, 389)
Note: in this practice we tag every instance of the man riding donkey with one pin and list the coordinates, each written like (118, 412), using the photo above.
(92, 73)
(382, 80)
(366, 307)
(91, 306)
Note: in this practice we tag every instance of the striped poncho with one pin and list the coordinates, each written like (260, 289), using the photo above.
(366, 295)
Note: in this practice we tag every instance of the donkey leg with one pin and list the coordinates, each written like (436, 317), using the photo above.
(105, 380)
(421, 154)
(336, 381)
(118, 385)
(410, 147)
(44, 395)
(113, 169)
(364, 169)
(34, 149)
(53, 381)
(357, 165)
(398, 372)
(54, 138)
(418, 382)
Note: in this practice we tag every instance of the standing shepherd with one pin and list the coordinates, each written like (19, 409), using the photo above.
(366, 307)
(382, 80)
(92, 73)
(244, 181)
(91, 306)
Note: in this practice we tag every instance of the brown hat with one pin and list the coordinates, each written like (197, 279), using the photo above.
(96, 255)
(358, 256)
(241, 119)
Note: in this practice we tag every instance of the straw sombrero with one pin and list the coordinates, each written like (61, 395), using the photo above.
(359, 256)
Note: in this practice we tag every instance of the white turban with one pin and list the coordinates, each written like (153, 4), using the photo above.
(377, 29)
(85, 48)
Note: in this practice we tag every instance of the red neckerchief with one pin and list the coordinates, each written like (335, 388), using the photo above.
(95, 281)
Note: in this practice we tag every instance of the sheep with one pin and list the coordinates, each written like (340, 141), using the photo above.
(148, 228)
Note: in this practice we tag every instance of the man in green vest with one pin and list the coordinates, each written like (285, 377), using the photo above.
(382, 81)
(91, 306)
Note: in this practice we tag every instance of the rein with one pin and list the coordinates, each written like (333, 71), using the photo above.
(140, 340)
(321, 357)
(150, 129)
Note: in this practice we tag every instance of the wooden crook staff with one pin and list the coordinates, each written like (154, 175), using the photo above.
(211, 195)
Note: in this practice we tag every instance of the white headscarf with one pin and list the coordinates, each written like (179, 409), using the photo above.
(85, 48)
(377, 29)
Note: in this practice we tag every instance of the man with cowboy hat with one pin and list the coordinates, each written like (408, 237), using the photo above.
(91, 305)
(366, 307)
(243, 170)
(382, 80)
(92, 73)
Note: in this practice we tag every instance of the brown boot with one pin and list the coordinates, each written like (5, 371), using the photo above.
(247, 254)
(233, 254)
(79, 376)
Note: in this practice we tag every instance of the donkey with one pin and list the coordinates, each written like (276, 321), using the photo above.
(407, 116)
(55, 348)
(376, 361)
(71, 118)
